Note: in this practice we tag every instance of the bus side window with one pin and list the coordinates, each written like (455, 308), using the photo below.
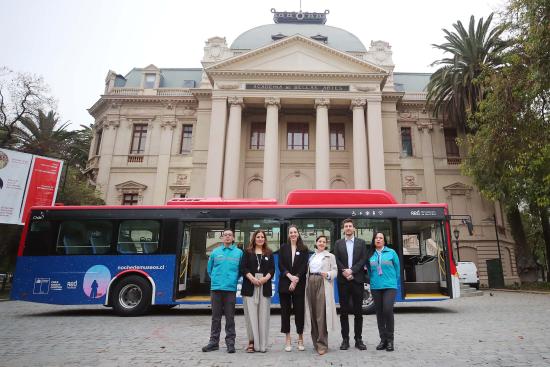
(40, 238)
(84, 237)
(138, 237)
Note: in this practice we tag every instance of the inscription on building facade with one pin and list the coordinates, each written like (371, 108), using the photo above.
(287, 87)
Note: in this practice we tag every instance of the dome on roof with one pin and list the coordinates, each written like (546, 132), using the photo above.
(263, 35)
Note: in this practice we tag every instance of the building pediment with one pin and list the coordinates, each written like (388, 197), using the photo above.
(130, 185)
(296, 54)
(458, 188)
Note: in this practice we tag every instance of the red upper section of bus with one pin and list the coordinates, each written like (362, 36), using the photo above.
(301, 197)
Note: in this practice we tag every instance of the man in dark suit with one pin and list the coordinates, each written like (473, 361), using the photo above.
(351, 255)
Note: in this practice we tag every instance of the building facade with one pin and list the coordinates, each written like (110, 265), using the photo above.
(292, 105)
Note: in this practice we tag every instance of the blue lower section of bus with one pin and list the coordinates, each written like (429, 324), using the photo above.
(75, 280)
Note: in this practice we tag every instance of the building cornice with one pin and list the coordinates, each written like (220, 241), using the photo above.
(108, 98)
(301, 74)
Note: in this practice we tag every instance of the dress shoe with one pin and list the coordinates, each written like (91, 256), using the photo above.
(210, 347)
(230, 349)
(389, 347)
(382, 345)
(344, 345)
(360, 345)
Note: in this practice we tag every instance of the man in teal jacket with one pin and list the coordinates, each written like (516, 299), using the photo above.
(223, 268)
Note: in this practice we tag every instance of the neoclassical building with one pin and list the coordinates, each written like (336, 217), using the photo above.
(296, 104)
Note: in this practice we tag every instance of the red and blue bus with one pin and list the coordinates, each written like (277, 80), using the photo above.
(133, 258)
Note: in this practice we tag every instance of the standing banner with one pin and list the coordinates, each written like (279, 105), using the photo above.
(14, 173)
(26, 180)
(43, 182)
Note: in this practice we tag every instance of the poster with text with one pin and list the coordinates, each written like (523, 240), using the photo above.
(43, 182)
(14, 173)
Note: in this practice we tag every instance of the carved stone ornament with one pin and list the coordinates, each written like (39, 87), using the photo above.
(409, 181)
(408, 116)
(182, 179)
(236, 101)
(112, 124)
(323, 102)
(380, 53)
(425, 125)
(168, 123)
(216, 50)
(228, 85)
(187, 112)
(273, 101)
(358, 103)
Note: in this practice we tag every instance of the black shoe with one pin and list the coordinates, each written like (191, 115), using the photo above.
(344, 345)
(382, 345)
(360, 345)
(389, 347)
(230, 349)
(210, 347)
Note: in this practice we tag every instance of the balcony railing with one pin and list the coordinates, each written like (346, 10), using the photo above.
(454, 161)
(162, 92)
(135, 159)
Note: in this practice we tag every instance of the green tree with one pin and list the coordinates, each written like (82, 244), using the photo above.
(509, 154)
(452, 90)
(44, 135)
(75, 189)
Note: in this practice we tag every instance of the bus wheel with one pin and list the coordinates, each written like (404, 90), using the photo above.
(368, 301)
(132, 296)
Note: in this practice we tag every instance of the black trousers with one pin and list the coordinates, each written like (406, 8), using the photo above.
(292, 302)
(223, 303)
(350, 294)
(383, 303)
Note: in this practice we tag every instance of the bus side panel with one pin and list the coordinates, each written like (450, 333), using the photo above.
(75, 280)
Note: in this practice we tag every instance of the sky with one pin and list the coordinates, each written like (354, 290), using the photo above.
(72, 44)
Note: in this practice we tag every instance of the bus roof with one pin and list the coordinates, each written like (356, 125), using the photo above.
(295, 199)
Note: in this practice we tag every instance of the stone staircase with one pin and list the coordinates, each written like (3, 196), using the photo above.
(467, 291)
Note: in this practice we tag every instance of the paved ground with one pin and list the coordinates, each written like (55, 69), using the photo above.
(507, 329)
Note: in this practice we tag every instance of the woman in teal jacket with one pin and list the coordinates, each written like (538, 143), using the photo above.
(384, 272)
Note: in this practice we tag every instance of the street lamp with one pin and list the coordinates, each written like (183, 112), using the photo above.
(456, 233)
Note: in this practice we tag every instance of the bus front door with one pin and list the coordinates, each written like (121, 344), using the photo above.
(199, 240)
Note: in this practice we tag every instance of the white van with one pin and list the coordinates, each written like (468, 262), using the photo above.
(467, 273)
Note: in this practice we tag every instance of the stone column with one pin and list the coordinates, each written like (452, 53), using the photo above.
(271, 149)
(108, 141)
(233, 149)
(214, 165)
(376, 143)
(360, 162)
(430, 187)
(167, 127)
(322, 145)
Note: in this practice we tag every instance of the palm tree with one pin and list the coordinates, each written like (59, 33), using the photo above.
(44, 136)
(452, 89)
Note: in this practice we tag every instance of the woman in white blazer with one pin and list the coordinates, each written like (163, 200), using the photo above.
(322, 271)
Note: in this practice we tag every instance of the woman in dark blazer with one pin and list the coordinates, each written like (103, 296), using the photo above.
(293, 258)
(258, 269)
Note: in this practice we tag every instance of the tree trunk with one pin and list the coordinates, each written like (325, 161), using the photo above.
(545, 222)
(527, 267)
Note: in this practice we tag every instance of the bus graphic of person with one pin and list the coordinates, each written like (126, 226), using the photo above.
(93, 291)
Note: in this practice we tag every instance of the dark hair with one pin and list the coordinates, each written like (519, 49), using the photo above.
(228, 229)
(347, 220)
(252, 244)
(372, 247)
(300, 246)
(322, 236)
